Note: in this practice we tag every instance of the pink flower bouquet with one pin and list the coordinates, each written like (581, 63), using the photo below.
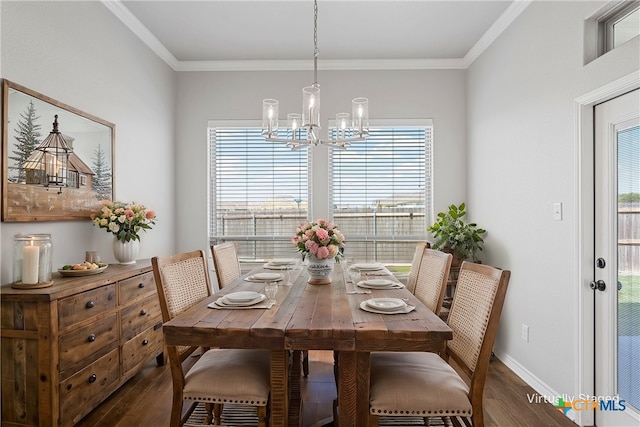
(320, 238)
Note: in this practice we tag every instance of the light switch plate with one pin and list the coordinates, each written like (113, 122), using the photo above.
(557, 211)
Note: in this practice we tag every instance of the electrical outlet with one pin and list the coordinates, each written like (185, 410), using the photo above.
(525, 333)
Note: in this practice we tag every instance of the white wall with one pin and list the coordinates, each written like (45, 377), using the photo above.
(203, 96)
(80, 54)
(522, 159)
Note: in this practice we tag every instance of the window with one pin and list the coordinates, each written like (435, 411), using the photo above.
(621, 25)
(258, 191)
(382, 192)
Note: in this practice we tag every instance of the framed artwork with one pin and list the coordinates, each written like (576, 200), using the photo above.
(27, 119)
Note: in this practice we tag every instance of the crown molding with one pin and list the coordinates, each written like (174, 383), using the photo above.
(323, 64)
(509, 15)
(134, 24)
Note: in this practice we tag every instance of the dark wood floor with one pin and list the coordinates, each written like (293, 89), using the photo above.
(145, 400)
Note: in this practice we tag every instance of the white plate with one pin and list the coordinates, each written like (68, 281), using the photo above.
(407, 309)
(266, 276)
(386, 304)
(378, 283)
(371, 267)
(224, 302)
(282, 261)
(242, 296)
(269, 266)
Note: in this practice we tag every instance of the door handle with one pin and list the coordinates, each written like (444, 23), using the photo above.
(599, 285)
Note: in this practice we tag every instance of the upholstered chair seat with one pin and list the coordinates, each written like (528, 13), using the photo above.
(423, 385)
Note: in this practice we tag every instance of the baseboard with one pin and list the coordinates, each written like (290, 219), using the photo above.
(534, 382)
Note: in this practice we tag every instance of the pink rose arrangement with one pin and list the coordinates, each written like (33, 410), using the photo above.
(320, 238)
(124, 220)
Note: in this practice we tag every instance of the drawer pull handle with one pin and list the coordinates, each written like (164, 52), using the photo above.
(145, 342)
(141, 285)
(93, 378)
(91, 304)
(143, 312)
(92, 337)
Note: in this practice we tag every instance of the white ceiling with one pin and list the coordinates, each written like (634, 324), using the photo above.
(352, 34)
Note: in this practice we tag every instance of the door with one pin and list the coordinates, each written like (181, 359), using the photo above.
(617, 252)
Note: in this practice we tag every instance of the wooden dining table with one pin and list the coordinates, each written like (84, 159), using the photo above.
(313, 317)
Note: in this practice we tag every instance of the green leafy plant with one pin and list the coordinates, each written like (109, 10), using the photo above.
(453, 234)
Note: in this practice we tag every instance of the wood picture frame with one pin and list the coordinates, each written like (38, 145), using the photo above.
(27, 119)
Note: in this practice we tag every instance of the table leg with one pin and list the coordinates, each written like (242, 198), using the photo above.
(295, 389)
(347, 388)
(363, 370)
(279, 388)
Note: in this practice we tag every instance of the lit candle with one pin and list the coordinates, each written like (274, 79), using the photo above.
(270, 122)
(30, 264)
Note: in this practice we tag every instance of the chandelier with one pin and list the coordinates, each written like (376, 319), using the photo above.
(349, 127)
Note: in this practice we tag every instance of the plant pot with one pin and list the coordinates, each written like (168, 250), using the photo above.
(455, 261)
(126, 252)
(320, 270)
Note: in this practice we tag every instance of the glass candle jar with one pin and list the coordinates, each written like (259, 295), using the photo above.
(32, 259)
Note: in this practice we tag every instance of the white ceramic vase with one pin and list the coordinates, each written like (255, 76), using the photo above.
(126, 252)
(320, 270)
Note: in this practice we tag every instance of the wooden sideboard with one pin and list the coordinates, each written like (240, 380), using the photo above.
(67, 347)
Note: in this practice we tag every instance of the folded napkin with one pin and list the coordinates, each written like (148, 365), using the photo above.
(353, 289)
(383, 272)
(264, 304)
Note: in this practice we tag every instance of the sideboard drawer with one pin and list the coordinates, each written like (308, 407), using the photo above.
(78, 345)
(82, 306)
(90, 386)
(135, 287)
(141, 347)
(139, 316)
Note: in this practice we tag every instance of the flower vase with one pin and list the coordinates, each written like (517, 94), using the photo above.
(320, 270)
(126, 252)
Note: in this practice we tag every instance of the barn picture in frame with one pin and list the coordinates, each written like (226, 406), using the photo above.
(27, 119)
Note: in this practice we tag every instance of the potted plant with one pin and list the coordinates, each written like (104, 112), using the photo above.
(455, 235)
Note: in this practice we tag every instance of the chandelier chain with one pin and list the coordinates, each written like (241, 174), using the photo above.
(315, 42)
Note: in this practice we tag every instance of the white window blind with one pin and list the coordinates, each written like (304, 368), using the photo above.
(382, 193)
(258, 192)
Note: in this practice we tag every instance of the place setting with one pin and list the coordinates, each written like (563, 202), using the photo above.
(243, 300)
(379, 284)
(386, 306)
(264, 277)
(280, 264)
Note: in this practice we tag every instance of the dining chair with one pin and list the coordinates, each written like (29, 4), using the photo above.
(219, 376)
(432, 277)
(225, 262)
(415, 265)
(426, 385)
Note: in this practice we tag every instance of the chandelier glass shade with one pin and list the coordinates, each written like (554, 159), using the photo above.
(304, 129)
